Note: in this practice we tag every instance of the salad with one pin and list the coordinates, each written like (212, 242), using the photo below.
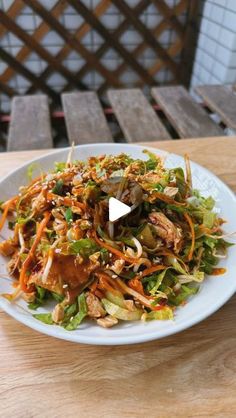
(141, 267)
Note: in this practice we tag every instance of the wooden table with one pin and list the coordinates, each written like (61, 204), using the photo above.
(191, 374)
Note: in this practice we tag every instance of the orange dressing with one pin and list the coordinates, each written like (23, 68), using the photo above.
(218, 271)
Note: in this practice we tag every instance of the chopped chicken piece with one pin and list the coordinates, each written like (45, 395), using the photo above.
(95, 309)
(171, 191)
(166, 230)
(117, 267)
(65, 269)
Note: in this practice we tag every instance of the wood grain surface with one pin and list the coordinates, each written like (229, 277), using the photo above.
(85, 119)
(222, 100)
(191, 374)
(136, 117)
(30, 126)
(185, 114)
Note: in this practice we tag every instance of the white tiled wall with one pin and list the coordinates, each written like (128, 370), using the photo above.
(92, 41)
(215, 59)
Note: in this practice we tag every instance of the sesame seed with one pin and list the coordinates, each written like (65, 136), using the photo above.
(65, 286)
(114, 276)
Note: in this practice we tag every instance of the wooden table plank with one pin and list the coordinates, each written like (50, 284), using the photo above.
(85, 119)
(195, 369)
(30, 126)
(222, 100)
(187, 117)
(136, 117)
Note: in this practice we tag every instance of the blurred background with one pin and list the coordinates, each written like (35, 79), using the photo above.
(52, 46)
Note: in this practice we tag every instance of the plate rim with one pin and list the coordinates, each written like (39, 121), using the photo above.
(118, 340)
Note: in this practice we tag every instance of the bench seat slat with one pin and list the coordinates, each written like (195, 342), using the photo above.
(136, 116)
(222, 100)
(187, 117)
(30, 126)
(85, 119)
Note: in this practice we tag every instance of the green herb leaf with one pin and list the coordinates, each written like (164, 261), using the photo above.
(184, 293)
(30, 170)
(104, 255)
(58, 188)
(59, 166)
(11, 225)
(46, 318)
(58, 298)
(158, 187)
(85, 247)
(69, 215)
(153, 160)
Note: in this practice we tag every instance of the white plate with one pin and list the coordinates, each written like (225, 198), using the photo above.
(215, 291)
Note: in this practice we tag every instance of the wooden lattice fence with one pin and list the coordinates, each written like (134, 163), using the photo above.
(171, 57)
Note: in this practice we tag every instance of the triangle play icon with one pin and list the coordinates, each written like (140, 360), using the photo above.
(117, 209)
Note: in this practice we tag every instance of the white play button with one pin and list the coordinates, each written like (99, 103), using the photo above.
(117, 209)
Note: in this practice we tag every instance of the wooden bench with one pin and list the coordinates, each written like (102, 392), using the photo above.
(179, 115)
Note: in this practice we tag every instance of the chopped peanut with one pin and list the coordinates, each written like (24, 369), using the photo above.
(58, 313)
(107, 322)
(29, 297)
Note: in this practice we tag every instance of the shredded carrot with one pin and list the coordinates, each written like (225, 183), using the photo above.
(67, 201)
(107, 283)
(171, 254)
(191, 226)
(30, 255)
(166, 199)
(93, 286)
(136, 285)
(218, 271)
(114, 250)
(151, 270)
(142, 298)
(206, 230)
(5, 212)
(99, 294)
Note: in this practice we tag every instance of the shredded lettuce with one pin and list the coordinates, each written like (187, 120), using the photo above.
(46, 318)
(182, 295)
(166, 313)
(40, 298)
(78, 318)
(121, 313)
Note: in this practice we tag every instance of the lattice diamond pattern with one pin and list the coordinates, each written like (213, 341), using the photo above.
(57, 45)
